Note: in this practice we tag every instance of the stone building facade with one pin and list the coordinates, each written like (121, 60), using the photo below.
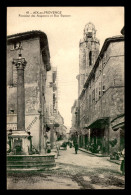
(34, 48)
(51, 92)
(51, 104)
(101, 100)
(54, 121)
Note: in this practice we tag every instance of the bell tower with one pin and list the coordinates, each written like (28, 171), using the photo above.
(88, 53)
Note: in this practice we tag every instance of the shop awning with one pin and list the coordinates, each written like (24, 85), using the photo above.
(120, 125)
(99, 123)
(118, 122)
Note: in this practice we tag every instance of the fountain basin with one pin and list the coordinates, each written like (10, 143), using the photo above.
(30, 162)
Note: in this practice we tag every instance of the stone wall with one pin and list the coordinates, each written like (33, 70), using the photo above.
(35, 78)
(31, 52)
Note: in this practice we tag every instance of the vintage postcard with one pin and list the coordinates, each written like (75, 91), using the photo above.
(65, 98)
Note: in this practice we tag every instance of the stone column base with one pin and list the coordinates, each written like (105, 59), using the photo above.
(20, 143)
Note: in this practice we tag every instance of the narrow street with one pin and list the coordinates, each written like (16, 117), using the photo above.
(65, 86)
(72, 171)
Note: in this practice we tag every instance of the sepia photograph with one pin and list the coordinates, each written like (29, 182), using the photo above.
(65, 111)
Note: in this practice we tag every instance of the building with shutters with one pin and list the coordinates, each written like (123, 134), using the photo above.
(101, 92)
(51, 98)
(55, 129)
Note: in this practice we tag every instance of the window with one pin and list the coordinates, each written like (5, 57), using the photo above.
(93, 78)
(99, 93)
(11, 111)
(90, 58)
(54, 101)
(99, 89)
(89, 35)
(93, 96)
(54, 77)
(103, 89)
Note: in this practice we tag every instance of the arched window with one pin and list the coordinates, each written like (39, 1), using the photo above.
(90, 58)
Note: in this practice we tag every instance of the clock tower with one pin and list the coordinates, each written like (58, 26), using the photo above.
(88, 53)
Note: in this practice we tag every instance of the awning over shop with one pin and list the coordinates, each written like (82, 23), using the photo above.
(120, 125)
(99, 123)
(118, 122)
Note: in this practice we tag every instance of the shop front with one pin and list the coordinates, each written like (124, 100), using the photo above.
(98, 136)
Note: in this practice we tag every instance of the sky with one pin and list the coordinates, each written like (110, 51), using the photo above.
(64, 31)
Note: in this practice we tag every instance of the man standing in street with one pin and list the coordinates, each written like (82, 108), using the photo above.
(76, 147)
(75, 140)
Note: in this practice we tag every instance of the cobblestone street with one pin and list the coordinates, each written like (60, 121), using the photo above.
(72, 171)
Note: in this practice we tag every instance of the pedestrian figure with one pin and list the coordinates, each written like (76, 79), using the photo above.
(76, 147)
(122, 167)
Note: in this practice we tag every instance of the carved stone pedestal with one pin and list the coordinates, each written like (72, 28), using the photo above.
(20, 143)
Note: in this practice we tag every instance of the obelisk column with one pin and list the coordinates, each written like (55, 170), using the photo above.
(20, 66)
